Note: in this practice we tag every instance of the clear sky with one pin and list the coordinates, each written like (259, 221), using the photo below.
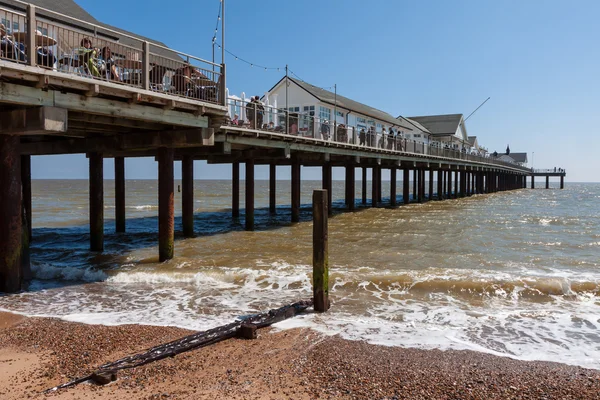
(537, 60)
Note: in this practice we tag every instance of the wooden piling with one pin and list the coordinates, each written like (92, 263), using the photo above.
(296, 191)
(11, 219)
(406, 186)
(449, 196)
(364, 185)
(96, 182)
(187, 195)
(235, 190)
(393, 187)
(327, 184)
(351, 182)
(562, 182)
(532, 182)
(374, 180)
(119, 194)
(455, 184)
(378, 184)
(430, 184)
(415, 191)
(440, 184)
(272, 188)
(320, 252)
(547, 181)
(249, 195)
(463, 183)
(166, 204)
(26, 186)
(420, 185)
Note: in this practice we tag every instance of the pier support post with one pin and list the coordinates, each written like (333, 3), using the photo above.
(374, 196)
(430, 184)
(440, 181)
(421, 189)
(235, 190)
(96, 182)
(273, 188)
(562, 182)
(406, 186)
(463, 183)
(327, 185)
(11, 214)
(532, 182)
(547, 181)
(415, 188)
(166, 204)
(379, 184)
(119, 194)
(26, 185)
(449, 184)
(393, 187)
(456, 184)
(364, 185)
(296, 191)
(249, 181)
(350, 183)
(187, 198)
(320, 252)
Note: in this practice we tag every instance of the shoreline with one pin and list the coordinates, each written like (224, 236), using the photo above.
(39, 353)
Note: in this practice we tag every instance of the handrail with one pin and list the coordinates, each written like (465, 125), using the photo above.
(104, 28)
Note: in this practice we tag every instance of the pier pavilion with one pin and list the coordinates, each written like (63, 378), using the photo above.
(172, 106)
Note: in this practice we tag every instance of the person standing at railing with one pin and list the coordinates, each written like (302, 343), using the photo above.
(362, 136)
(107, 66)
(260, 112)
(325, 130)
(251, 112)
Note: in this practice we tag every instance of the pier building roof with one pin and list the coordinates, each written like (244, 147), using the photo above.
(342, 102)
(415, 124)
(440, 125)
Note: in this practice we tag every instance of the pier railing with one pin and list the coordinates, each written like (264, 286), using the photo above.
(549, 171)
(270, 119)
(38, 37)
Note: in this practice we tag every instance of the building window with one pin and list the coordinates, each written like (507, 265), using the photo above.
(361, 120)
(310, 110)
(339, 114)
(324, 113)
(7, 24)
(43, 30)
(379, 126)
(417, 135)
(294, 109)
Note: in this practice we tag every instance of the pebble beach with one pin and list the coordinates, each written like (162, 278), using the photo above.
(39, 353)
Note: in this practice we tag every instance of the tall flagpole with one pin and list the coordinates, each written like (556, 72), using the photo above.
(223, 31)
(287, 113)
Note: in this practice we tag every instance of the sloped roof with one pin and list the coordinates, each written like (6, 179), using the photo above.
(71, 9)
(472, 140)
(414, 123)
(440, 124)
(343, 102)
(519, 157)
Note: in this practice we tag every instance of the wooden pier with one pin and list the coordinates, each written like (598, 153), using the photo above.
(47, 111)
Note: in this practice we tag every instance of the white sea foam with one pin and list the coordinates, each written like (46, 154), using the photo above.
(49, 272)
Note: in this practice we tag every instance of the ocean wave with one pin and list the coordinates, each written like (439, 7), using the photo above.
(64, 273)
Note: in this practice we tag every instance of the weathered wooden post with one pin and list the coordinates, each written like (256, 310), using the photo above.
(415, 192)
(532, 181)
(26, 184)
(296, 191)
(187, 197)
(249, 195)
(374, 187)
(406, 186)
(393, 186)
(320, 251)
(272, 188)
(430, 184)
(456, 184)
(562, 181)
(327, 184)
(96, 182)
(440, 186)
(364, 185)
(166, 204)
(351, 182)
(10, 214)
(547, 181)
(120, 194)
(235, 190)
(449, 182)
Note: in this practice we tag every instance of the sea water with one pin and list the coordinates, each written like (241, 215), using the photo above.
(514, 273)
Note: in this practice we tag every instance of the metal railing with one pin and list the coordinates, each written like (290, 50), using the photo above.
(257, 116)
(549, 171)
(34, 38)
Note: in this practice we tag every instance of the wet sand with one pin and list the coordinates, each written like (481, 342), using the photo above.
(39, 353)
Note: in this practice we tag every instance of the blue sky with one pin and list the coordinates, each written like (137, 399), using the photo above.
(537, 60)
